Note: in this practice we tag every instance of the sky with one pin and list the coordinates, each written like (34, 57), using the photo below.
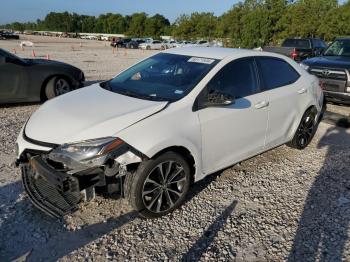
(30, 10)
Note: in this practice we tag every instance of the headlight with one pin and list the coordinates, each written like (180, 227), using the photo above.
(305, 66)
(91, 152)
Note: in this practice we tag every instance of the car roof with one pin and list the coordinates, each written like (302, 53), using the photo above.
(217, 52)
(343, 38)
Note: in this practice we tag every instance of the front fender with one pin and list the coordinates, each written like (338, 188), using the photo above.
(163, 145)
(172, 127)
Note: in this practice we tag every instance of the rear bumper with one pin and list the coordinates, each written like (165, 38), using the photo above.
(337, 97)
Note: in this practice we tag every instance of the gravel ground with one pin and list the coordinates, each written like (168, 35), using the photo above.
(282, 205)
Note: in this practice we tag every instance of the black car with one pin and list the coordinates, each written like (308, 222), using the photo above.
(34, 80)
(134, 44)
(299, 48)
(8, 35)
(333, 70)
(121, 42)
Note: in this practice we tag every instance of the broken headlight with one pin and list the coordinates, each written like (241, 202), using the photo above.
(86, 153)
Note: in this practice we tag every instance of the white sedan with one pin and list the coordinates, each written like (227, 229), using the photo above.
(153, 45)
(164, 123)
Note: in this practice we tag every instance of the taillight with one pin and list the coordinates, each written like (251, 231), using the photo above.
(294, 54)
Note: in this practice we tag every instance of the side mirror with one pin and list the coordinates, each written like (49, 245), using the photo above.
(218, 98)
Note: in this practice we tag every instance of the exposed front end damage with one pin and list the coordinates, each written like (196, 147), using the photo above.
(57, 183)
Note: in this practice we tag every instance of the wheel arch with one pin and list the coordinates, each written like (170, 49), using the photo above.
(185, 153)
(313, 108)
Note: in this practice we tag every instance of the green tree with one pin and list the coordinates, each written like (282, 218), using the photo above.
(137, 25)
(156, 26)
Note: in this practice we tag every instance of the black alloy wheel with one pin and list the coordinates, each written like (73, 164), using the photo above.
(159, 185)
(306, 130)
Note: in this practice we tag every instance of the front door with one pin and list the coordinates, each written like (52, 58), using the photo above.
(11, 73)
(235, 132)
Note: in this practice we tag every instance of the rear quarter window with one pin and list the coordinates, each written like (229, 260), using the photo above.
(276, 73)
(298, 43)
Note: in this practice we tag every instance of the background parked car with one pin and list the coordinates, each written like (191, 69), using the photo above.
(170, 44)
(153, 45)
(120, 43)
(299, 48)
(34, 80)
(134, 44)
(182, 43)
(104, 38)
(202, 43)
(333, 70)
(8, 35)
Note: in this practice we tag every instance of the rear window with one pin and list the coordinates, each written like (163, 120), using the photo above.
(276, 72)
(318, 43)
(301, 43)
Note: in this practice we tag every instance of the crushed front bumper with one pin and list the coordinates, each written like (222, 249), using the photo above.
(55, 193)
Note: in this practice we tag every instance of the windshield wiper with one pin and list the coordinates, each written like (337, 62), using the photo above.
(140, 96)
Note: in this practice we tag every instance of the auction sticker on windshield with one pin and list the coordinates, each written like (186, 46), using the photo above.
(201, 60)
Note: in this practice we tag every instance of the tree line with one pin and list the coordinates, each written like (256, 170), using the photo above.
(250, 23)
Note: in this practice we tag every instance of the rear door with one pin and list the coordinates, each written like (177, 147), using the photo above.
(234, 132)
(285, 95)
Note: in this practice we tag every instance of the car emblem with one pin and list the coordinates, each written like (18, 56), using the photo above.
(326, 72)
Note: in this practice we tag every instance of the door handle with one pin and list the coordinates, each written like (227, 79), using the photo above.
(302, 91)
(262, 104)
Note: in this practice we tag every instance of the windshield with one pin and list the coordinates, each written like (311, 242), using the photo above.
(163, 77)
(338, 48)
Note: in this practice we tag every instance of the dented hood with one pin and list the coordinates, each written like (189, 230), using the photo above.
(87, 113)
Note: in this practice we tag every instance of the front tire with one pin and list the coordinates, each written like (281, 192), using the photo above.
(159, 185)
(57, 86)
(306, 130)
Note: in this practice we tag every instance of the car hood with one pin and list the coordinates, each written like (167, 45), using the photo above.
(87, 113)
(45, 62)
(329, 61)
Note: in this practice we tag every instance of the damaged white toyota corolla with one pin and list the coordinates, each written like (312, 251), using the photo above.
(163, 124)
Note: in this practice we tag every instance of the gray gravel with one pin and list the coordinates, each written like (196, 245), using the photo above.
(282, 205)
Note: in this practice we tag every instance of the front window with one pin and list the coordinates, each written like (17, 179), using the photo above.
(237, 79)
(338, 48)
(163, 77)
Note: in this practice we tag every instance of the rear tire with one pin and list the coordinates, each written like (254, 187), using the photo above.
(159, 185)
(305, 131)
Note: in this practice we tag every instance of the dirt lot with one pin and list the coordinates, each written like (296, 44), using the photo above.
(282, 205)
